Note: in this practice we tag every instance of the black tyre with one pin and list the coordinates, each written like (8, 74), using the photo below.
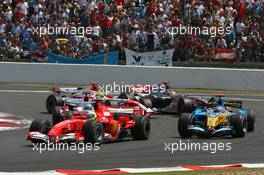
(184, 120)
(126, 96)
(250, 121)
(42, 126)
(184, 105)
(93, 132)
(146, 102)
(141, 130)
(53, 101)
(240, 126)
(56, 115)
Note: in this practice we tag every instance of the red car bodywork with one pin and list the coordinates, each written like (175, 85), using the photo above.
(72, 129)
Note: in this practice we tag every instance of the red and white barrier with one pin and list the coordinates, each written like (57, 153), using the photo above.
(138, 170)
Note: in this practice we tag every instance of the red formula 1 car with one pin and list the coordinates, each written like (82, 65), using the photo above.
(91, 123)
(116, 106)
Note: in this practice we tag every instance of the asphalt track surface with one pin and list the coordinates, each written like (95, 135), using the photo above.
(16, 154)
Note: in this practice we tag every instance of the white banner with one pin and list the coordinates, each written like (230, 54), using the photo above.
(155, 58)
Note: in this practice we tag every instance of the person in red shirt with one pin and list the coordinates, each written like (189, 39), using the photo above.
(18, 15)
(44, 44)
(95, 17)
(241, 10)
(106, 23)
(176, 22)
(151, 9)
(199, 50)
(119, 2)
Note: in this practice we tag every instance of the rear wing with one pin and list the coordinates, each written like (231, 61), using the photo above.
(73, 101)
(233, 103)
(228, 103)
(66, 90)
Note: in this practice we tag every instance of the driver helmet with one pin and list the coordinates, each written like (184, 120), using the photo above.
(91, 116)
(100, 94)
(87, 108)
(220, 108)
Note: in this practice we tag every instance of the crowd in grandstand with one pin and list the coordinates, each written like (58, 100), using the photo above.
(139, 25)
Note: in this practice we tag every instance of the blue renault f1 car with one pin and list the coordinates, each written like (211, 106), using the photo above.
(218, 117)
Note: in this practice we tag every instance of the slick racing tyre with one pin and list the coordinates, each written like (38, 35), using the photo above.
(141, 130)
(183, 122)
(56, 115)
(240, 126)
(93, 132)
(126, 96)
(184, 105)
(53, 101)
(42, 126)
(250, 120)
(146, 102)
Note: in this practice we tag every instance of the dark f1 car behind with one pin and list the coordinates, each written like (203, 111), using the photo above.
(161, 100)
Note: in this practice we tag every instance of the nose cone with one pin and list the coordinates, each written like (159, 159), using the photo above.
(59, 128)
(212, 122)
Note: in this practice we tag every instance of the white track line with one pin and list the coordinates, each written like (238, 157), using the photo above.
(52, 172)
(154, 170)
(24, 91)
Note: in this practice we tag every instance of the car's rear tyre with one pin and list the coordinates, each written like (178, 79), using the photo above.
(240, 126)
(146, 102)
(42, 126)
(53, 101)
(184, 120)
(93, 132)
(141, 130)
(250, 121)
(184, 105)
(126, 96)
(56, 115)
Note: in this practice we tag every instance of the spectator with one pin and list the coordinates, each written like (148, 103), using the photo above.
(221, 43)
(137, 25)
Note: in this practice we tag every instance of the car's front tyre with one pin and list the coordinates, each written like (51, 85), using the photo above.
(93, 132)
(42, 126)
(250, 121)
(184, 120)
(240, 126)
